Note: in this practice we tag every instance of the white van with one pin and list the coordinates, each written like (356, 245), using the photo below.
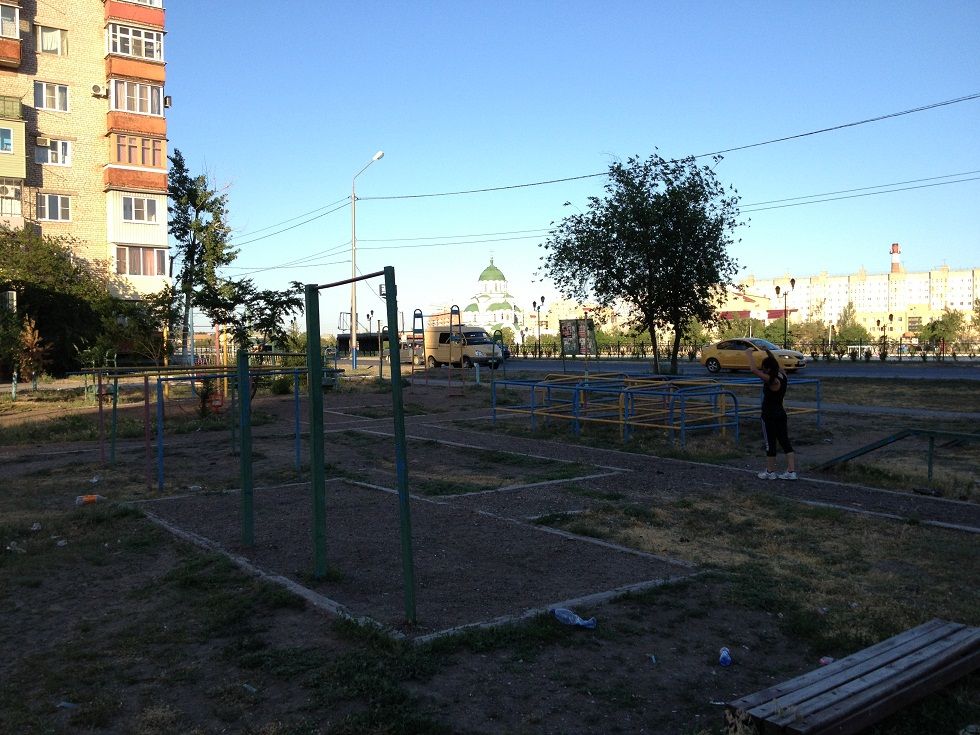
(474, 347)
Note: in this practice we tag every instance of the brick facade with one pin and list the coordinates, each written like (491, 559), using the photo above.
(85, 65)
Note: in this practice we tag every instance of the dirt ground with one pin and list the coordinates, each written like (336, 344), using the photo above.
(485, 555)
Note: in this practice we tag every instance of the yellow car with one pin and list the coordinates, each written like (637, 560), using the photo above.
(729, 354)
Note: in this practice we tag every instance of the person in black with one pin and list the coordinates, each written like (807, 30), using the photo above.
(775, 427)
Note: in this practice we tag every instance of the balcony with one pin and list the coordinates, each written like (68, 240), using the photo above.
(129, 179)
(125, 66)
(129, 122)
(11, 108)
(10, 52)
(144, 14)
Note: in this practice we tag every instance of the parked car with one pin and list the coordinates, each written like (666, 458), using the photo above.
(729, 354)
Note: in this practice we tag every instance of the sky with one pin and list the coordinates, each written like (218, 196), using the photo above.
(281, 110)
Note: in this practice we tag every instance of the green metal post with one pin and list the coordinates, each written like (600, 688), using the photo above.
(932, 447)
(112, 436)
(245, 452)
(314, 363)
(401, 454)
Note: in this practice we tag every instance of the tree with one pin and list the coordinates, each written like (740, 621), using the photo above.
(197, 222)
(139, 326)
(656, 241)
(946, 328)
(64, 296)
(248, 311)
(738, 327)
(33, 352)
(848, 330)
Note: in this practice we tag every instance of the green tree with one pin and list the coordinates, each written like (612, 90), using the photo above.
(657, 242)
(249, 311)
(946, 328)
(848, 330)
(65, 296)
(139, 326)
(198, 223)
(738, 327)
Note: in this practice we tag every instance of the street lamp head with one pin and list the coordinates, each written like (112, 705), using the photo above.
(378, 156)
(777, 290)
(534, 304)
(792, 283)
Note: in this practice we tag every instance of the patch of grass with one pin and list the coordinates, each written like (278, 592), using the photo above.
(956, 395)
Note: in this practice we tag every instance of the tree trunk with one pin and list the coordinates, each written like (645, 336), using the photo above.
(185, 335)
(653, 342)
(673, 354)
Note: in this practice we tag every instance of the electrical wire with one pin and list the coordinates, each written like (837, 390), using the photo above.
(346, 200)
(863, 188)
(287, 229)
(857, 196)
(249, 233)
(842, 126)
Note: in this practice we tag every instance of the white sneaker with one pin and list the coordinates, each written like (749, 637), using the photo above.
(787, 475)
(765, 475)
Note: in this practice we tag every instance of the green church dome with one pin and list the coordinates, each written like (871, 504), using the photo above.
(492, 273)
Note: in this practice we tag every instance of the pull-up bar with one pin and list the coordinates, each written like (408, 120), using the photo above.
(348, 280)
(317, 481)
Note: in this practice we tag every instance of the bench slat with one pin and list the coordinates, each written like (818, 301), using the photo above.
(788, 693)
(853, 716)
(895, 676)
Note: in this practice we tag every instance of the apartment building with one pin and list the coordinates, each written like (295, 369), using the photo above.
(83, 131)
(901, 301)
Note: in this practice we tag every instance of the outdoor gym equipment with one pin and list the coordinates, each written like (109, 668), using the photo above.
(317, 480)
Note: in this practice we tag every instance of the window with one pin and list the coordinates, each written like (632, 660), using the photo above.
(145, 99)
(151, 3)
(56, 153)
(135, 42)
(138, 209)
(140, 151)
(6, 140)
(10, 197)
(52, 41)
(137, 261)
(9, 21)
(53, 207)
(49, 96)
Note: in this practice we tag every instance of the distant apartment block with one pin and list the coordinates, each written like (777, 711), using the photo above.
(83, 131)
(911, 299)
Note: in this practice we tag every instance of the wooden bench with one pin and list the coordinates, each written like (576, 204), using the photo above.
(849, 695)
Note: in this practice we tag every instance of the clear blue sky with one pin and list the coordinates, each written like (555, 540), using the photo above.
(284, 104)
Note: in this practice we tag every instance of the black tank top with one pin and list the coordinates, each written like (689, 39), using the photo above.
(772, 400)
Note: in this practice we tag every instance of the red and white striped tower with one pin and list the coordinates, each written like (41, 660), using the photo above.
(896, 260)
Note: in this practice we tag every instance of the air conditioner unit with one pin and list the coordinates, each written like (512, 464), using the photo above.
(100, 90)
(168, 100)
(44, 142)
(5, 191)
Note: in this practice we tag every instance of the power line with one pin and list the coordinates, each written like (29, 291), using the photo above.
(863, 188)
(868, 194)
(442, 244)
(932, 106)
(878, 118)
(287, 229)
(445, 237)
(249, 233)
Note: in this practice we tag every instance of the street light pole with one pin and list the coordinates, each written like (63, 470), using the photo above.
(537, 307)
(353, 259)
(792, 285)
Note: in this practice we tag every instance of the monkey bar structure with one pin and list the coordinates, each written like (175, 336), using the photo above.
(631, 402)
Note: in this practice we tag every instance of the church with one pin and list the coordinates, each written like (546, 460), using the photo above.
(493, 306)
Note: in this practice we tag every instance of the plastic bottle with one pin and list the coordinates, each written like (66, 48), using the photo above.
(567, 617)
(725, 656)
(88, 499)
